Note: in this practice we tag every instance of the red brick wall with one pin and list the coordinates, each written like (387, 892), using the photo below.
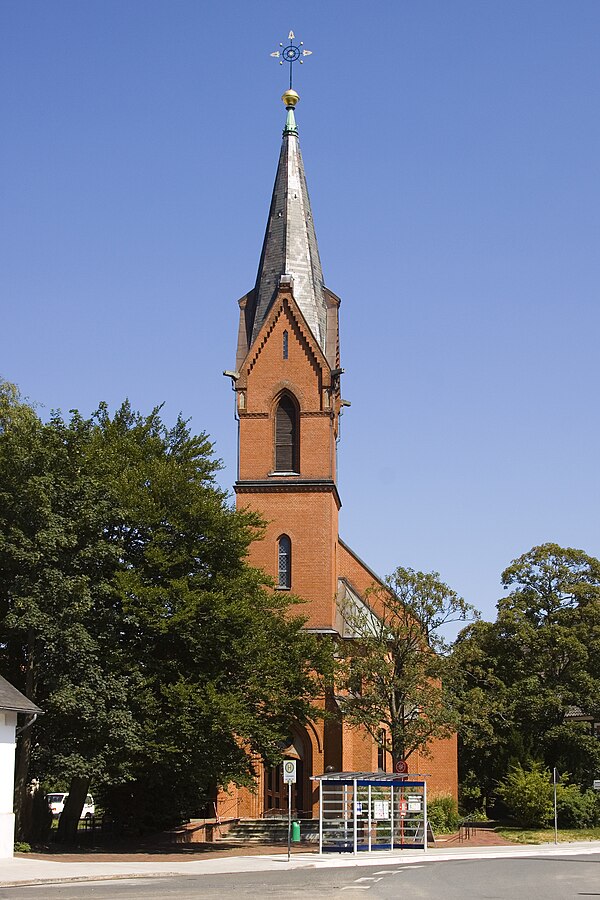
(308, 517)
(266, 374)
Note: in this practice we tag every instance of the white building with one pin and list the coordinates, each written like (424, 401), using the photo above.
(12, 702)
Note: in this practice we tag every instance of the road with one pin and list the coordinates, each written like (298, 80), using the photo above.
(531, 878)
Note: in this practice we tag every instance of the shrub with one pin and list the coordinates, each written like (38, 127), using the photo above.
(442, 813)
(22, 847)
(577, 809)
(528, 795)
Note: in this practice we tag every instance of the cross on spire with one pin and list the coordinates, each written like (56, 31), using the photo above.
(291, 54)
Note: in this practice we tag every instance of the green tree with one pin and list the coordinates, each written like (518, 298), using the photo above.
(397, 662)
(129, 614)
(521, 679)
(59, 635)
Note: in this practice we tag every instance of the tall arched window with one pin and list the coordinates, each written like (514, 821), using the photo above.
(285, 345)
(284, 562)
(286, 436)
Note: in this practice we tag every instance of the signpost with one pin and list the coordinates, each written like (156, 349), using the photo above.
(289, 778)
(555, 781)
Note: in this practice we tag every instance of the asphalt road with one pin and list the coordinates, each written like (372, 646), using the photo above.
(533, 878)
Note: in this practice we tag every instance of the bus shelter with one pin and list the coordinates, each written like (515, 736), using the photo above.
(371, 811)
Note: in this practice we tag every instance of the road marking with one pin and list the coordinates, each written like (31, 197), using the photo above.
(366, 878)
(387, 872)
(356, 887)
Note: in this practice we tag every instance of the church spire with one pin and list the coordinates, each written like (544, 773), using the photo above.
(290, 243)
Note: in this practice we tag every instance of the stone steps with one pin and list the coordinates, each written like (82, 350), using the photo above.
(270, 831)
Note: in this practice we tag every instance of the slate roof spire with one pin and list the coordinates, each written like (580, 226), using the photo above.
(290, 243)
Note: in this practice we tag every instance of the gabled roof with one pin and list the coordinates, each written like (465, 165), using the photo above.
(285, 302)
(352, 609)
(290, 243)
(13, 700)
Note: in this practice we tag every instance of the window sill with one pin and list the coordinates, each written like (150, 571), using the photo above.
(282, 474)
(278, 587)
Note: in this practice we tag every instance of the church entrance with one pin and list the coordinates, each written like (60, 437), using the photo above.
(276, 792)
(299, 747)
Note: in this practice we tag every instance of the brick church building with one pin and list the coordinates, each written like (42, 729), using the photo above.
(287, 385)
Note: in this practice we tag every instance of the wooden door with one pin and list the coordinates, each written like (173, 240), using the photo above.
(276, 792)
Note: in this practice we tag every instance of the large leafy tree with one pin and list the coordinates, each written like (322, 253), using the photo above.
(395, 673)
(524, 680)
(129, 614)
(59, 630)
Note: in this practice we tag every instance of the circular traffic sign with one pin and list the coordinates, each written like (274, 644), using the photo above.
(401, 767)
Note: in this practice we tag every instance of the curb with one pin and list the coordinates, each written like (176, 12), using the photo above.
(312, 861)
(76, 879)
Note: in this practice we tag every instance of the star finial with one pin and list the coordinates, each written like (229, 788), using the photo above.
(291, 54)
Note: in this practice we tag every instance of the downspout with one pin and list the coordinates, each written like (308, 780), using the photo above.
(26, 725)
(234, 377)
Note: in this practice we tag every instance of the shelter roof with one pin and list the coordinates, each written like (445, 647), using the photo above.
(374, 777)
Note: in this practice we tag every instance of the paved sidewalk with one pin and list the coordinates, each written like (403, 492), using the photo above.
(33, 869)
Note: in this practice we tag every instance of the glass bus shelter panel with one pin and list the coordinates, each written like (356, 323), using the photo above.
(409, 818)
(337, 811)
(377, 818)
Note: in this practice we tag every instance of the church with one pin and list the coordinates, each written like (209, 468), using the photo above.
(288, 400)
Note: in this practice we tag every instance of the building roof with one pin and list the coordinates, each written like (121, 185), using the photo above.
(290, 243)
(576, 714)
(13, 700)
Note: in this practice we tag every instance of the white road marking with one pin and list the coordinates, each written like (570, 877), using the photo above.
(387, 872)
(356, 887)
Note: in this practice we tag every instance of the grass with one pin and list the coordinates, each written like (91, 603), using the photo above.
(546, 835)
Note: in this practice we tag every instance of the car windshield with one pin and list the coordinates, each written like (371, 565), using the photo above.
(89, 800)
(55, 798)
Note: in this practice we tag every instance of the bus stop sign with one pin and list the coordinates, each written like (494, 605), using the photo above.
(289, 771)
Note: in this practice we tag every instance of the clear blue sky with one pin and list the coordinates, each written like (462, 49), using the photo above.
(452, 151)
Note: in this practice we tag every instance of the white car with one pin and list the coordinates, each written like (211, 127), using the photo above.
(56, 803)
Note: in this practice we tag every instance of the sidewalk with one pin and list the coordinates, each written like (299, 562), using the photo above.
(53, 868)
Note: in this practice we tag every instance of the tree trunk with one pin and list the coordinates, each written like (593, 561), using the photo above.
(69, 818)
(22, 804)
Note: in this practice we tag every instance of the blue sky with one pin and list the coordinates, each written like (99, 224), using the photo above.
(452, 151)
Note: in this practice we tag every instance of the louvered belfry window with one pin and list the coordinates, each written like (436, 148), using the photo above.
(286, 436)
(284, 562)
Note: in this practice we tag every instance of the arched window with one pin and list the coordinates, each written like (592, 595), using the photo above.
(284, 562)
(286, 436)
(285, 345)
(381, 751)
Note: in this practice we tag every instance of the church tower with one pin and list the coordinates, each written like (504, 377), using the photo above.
(287, 385)
(288, 403)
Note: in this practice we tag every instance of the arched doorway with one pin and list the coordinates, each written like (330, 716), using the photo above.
(298, 745)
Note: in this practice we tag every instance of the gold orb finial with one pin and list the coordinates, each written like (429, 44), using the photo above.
(290, 98)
